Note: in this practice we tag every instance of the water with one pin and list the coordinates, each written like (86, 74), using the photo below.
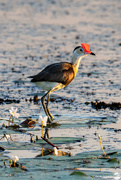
(34, 34)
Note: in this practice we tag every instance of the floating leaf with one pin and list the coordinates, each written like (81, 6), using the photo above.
(112, 160)
(78, 173)
(111, 153)
(62, 140)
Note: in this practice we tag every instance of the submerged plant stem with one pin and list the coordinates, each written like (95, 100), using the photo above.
(9, 120)
(101, 145)
(42, 151)
(42, 130)
(49, 142)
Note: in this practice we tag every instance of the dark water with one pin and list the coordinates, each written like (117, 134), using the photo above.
(34, 34)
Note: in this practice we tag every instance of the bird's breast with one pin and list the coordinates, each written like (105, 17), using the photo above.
(45, 85)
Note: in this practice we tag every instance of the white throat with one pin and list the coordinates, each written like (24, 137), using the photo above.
(76, 59)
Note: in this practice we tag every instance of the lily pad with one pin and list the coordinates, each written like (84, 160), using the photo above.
(84, 121)
(61, 140)
(78, 173)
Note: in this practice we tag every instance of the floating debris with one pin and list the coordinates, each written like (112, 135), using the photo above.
(60, 99)
(28, 123)
(35, 99)
(102, 105)
(2, 148)
(8, 101)
(23, 168)
(14, 127)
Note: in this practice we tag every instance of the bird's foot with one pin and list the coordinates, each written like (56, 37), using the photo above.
(50, 119)
(46, 135)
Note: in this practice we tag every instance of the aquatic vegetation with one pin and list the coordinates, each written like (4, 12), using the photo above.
(43, 122)
(101, 145)
(104, 105)
(7, 137)
(13, 113)
(14, 160)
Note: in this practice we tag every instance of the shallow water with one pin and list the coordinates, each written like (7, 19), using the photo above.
(34, 34)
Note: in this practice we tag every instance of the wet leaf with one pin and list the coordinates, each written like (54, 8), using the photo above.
(62, 140)
(78, 173)
(112, 160)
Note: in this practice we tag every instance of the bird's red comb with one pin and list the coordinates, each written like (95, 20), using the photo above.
(86, 47)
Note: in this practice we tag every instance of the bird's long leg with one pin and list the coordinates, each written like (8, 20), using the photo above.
(46, 133)
(43, 103)
(48, 108)
(57, 87)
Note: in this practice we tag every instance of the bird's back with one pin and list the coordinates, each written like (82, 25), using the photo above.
(58, 72)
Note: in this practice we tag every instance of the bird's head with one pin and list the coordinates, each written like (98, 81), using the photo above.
(82, 50)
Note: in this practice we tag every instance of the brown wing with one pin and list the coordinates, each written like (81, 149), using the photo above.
(59, 72)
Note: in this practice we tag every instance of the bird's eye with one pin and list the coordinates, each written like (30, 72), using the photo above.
(81, 50)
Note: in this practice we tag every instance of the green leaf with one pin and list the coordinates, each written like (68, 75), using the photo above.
(78, 173)
(61, 140)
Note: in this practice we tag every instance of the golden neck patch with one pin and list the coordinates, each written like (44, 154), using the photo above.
(76, 66)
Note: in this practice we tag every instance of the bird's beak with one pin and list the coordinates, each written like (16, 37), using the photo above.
(89, 52)
(92, 53)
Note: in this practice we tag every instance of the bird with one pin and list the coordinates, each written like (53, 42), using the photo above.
(58, 75)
